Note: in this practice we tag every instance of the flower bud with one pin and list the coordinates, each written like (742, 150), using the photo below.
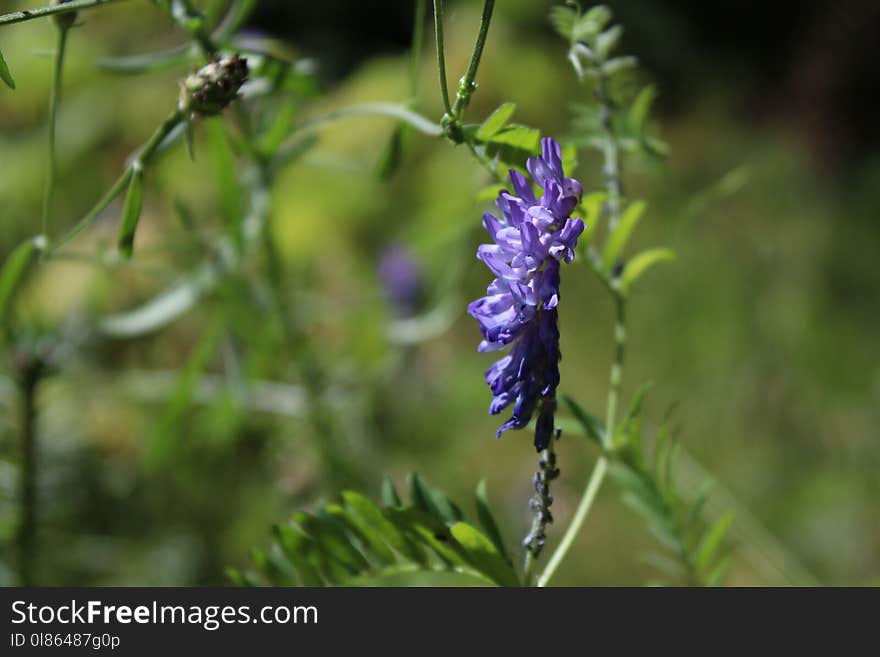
(209, 90)
(63, 21)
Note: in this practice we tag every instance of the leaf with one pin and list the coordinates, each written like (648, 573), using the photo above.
(302, 551)
(641, 106)
(719, 572)
(131, 212)
(641, 263)
(593, 426)
(483, 555)
(390, 498)
(5, 74)
(618, 239)
(277, 131)
(487, 519)
(495, 122)
(420, 495)
(712, 540)
(381, 527)
(618, 64)
(189, 137)
(226, 177)
(12, 273)
(144, 63)
(333, 540)
(518, 136)
(368, 534)
(389, 161)
(430, 531)
(607, 40)
(571, 24)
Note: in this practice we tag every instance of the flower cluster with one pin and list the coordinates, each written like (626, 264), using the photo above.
(533, 235)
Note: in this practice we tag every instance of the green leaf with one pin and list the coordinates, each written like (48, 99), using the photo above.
(618, 239)
(277, 131)
(366, 533)
(131, 212)
(226, 177)
(5, 74)
(12, 274)
(189, 137)
(490, 193)
(641, 263)
(302, 550)
(618, 64)
(483, 555)
(719, 572)
(391, 156)
(640, 108)
(495, 122)
(607, 40)
(430, 531)
(381, 528)
(518, 136)
(487, 519)
(712, 540)
(421, 497)
(146, 63)
(593, 427)
(333, 540)
(390, 498)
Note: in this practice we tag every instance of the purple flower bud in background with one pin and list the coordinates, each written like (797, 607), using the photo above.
(532, 236)
(401, 281)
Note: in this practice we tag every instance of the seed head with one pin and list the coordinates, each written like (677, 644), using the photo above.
(209, 90)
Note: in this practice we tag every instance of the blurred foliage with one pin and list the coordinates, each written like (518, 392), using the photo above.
(164, 456)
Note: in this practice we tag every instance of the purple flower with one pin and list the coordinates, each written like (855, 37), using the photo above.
(401, 281)
(532, 236)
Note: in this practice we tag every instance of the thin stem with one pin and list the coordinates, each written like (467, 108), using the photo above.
(146, 153)
(54, 101)
(611, 151)
(601, 468)
(580, 515)
(42, 12)
(466, 87)
(441, 57)
(26, 539)
(188, 18)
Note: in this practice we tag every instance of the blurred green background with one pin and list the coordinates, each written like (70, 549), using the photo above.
(764, 332)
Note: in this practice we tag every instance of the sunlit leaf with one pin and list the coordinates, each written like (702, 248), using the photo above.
(483, 554)
(712, 541)
(487, 519)
(618, 239)
(495, 122)
(5, 74)
(12, 273)
(131, 212)
(641, 263)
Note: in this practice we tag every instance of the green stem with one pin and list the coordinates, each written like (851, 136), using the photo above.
(601, 468)
(416, 54)
(610, 149)
(467, 86)
(26, 539)
(188, 18)
(42, 12)
(441, 57)
(54, 101)
(143, 158)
